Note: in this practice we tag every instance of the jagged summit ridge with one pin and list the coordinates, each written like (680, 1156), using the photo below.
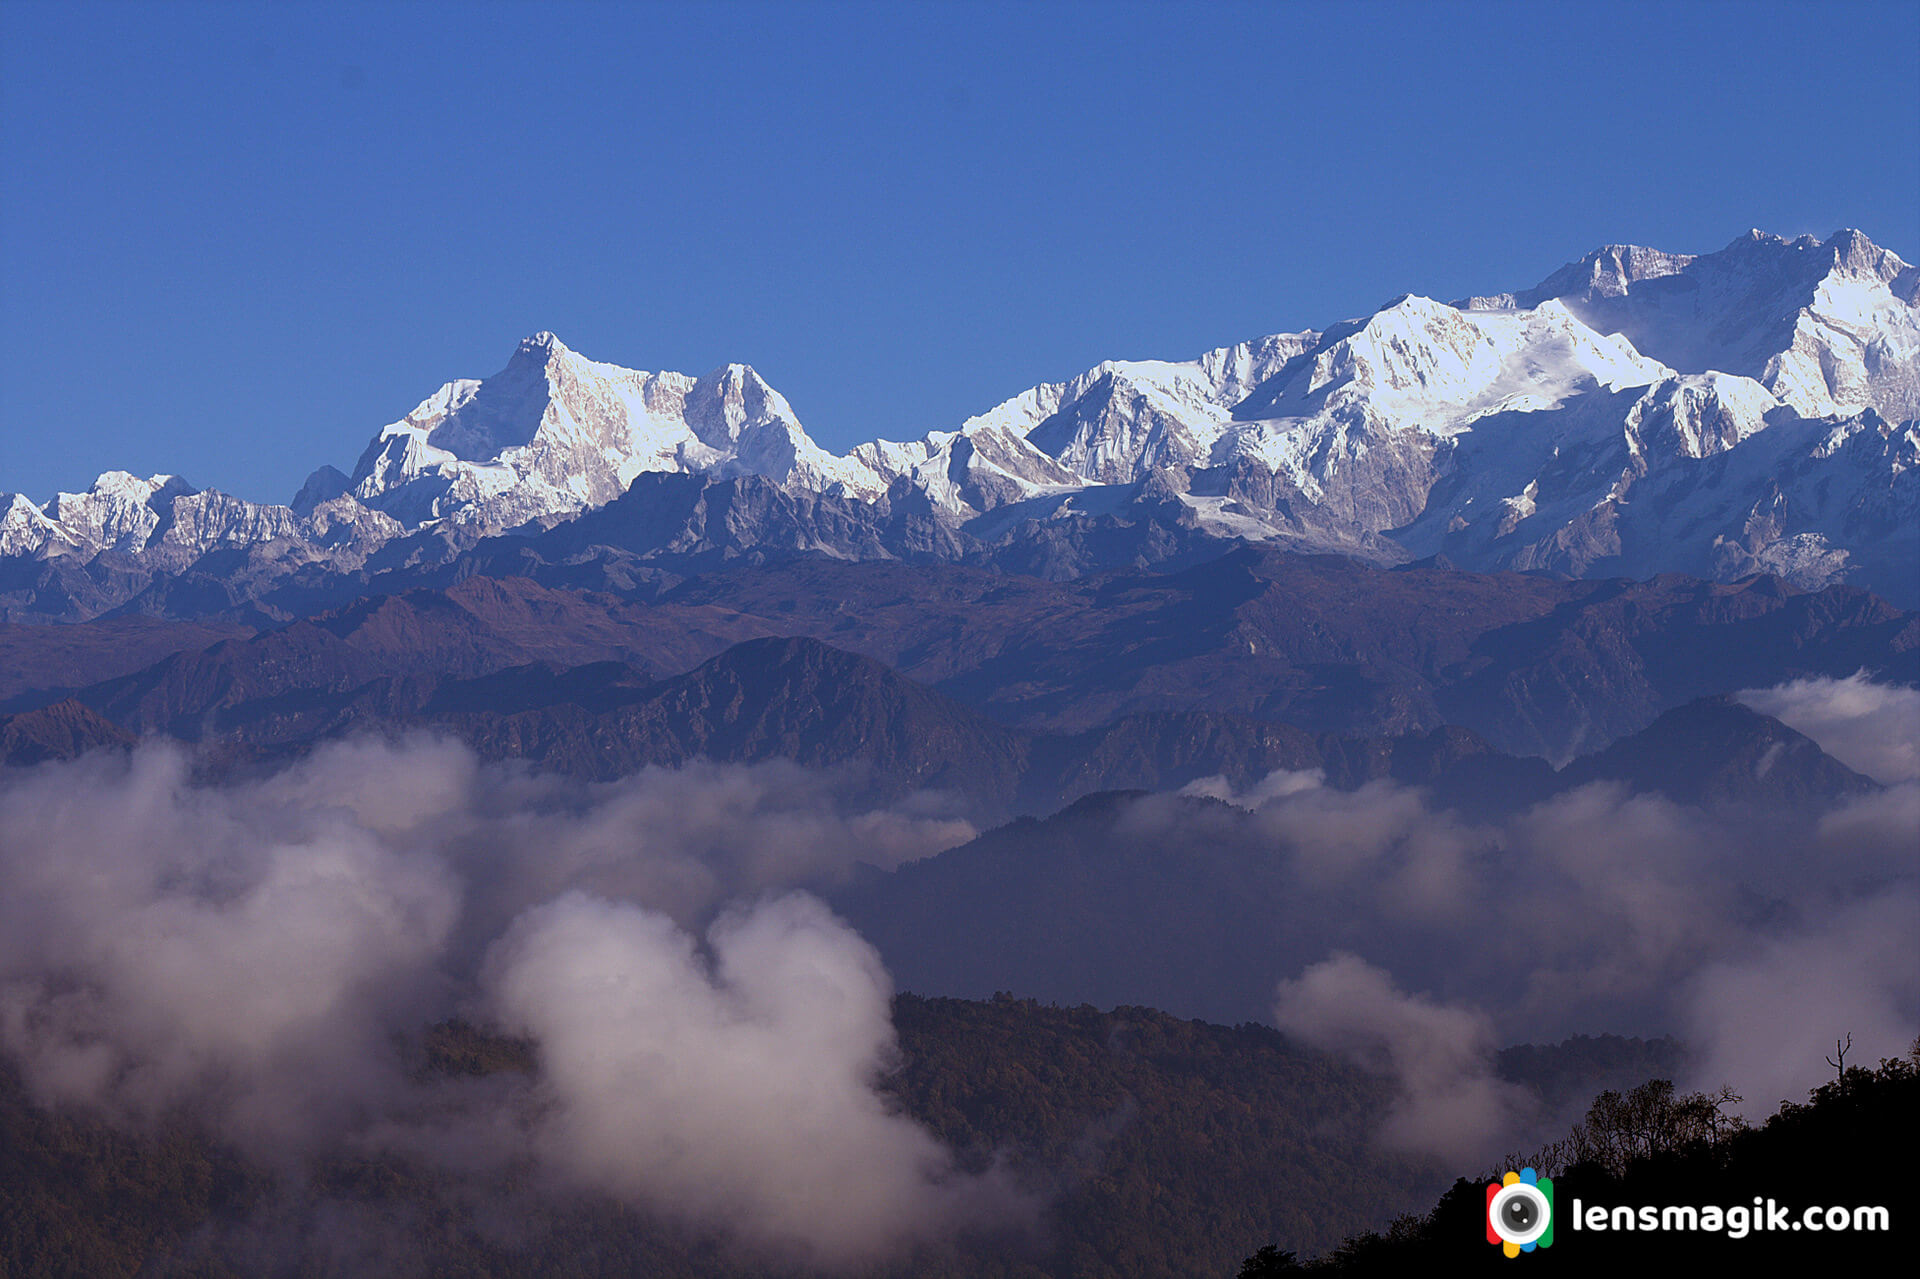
(1751, 409)
(555, 433)
(1829, 327)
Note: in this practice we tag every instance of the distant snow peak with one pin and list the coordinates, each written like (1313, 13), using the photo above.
(541, 346)
(1368, 405)
(1756, 408)
(554, 433)
(25, 530)
(1829, 327)
(120, 511)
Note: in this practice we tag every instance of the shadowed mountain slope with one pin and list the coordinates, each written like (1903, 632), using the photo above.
(60, 731)
(1717, 751)
(1201, 906)
(1533, 665)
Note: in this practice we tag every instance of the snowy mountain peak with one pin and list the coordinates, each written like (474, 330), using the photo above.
(119, 506)
(1830, 327)
(1749, 408)
(1610, 271)
(542, 346)
(25, 529)
(554, 433)
(1615, 269)
(1421, 362)
(1856, 255)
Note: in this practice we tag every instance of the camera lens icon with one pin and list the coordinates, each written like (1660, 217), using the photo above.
(1520, 1212)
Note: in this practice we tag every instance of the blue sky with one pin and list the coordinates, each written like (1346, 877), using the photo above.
(235, 240)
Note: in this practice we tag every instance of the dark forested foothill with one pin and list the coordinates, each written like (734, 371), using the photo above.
(1147, 1145)
(1651, 1148)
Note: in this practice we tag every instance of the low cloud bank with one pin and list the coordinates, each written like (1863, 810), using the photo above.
(1870, 727)
(1758, 944)
(161, 944)
(737, 1092)
(253, 952)
(1449, 1104)
(710, 1042)
(1768, 1018)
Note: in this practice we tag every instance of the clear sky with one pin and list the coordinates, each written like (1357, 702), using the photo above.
(237, 239)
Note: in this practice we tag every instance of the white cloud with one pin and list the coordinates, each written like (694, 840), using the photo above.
(1871, 728)
(736, 1094)
(1448, 1102)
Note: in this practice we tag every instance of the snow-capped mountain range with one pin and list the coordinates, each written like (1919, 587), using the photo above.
(1638, 412)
